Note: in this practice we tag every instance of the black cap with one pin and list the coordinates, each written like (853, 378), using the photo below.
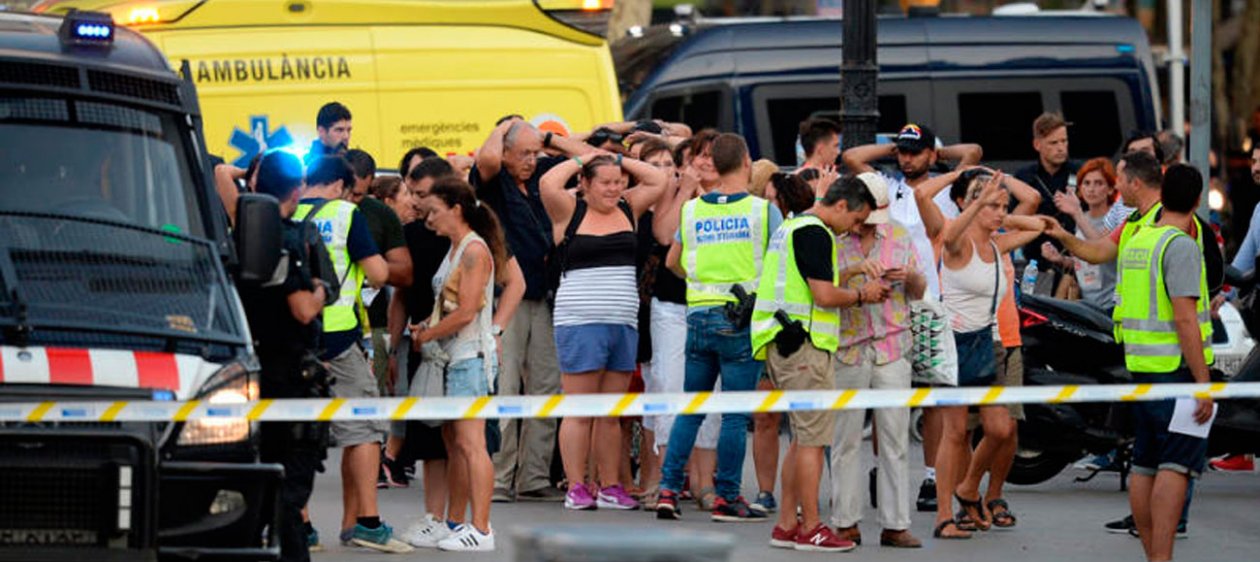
(915, 138)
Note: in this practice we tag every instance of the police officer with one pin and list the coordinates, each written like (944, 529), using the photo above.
(796, 330)
(283, 317)
(1164, 322)
(721, 240)
(356, 260)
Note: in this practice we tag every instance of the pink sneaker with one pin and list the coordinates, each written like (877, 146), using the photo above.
(579, 498)
(615, 497)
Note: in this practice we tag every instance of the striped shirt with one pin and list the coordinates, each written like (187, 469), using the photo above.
(599, 284)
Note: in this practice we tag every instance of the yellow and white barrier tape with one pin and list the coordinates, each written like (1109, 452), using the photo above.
(603, 405)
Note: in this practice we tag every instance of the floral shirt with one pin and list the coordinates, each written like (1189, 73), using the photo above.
(882, 326)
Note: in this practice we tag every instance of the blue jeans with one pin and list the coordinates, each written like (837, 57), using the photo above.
(714, 346)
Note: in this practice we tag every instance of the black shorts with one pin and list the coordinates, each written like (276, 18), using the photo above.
(1155, 448)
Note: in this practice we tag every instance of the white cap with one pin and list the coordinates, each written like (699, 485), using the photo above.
(879, 190)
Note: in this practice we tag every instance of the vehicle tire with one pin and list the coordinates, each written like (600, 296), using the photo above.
(1031, 465)
(1034, 467)
(916, 424)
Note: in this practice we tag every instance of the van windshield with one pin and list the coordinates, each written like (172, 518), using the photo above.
(100, 230)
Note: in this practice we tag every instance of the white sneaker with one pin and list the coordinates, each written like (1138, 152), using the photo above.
(426, 533)
(468, 539)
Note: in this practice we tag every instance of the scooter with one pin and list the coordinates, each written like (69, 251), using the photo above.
(1068, 343)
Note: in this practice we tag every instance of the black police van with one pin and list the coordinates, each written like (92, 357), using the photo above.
(972, 79)
(115, 287)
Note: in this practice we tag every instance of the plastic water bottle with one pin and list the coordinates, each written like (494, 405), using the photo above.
(1028, 285)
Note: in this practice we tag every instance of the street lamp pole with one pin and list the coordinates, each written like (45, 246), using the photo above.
(859, 103)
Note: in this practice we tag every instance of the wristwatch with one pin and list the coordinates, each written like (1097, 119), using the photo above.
(496, 330)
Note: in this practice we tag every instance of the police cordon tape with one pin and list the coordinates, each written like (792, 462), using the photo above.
(602, 405)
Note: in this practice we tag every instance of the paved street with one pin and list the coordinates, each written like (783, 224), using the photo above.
(1058, 520)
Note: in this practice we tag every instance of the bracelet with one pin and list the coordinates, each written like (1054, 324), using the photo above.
(818, 199)
(619, 160)
(860, 302)
(547, 140)
(578, 159)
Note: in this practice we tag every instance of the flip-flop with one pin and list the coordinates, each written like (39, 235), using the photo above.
(965, 516)
(1004, 519)
(938, 533)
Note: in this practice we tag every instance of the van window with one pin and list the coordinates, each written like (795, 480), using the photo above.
(1000, 122)
(698, 110)
(1095, 118)
(786, 114)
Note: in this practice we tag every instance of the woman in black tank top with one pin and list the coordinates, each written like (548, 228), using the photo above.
(597, 306)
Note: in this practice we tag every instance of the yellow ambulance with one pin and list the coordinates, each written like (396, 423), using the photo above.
(435, 73)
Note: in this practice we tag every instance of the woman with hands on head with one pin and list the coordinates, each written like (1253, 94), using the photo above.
(971, 287)
(596, 307)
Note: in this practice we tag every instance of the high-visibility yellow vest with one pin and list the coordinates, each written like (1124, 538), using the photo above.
(782, 287)
(723, 245)
(1132, 227)
(333, 223)
(1144, 311)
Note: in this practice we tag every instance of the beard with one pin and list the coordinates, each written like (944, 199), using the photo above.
(913, 174)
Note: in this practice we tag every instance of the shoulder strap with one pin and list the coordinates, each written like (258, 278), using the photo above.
(997, 277)
(315, 209)
(629, 212)
(579, 213)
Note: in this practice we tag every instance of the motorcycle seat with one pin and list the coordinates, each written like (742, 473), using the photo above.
(1078, 311)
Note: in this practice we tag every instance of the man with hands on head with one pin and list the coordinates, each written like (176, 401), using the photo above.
(506, 177)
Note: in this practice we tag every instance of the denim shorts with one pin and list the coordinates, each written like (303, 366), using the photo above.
(977, 361)
(597, 347)
(467, 377)
(1154, 447)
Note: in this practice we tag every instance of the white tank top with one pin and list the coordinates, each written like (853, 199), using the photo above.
(475, 339)
(971, 294)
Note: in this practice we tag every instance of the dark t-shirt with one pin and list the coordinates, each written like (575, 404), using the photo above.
(526, 225)
(360, 246)
(387, 232)
(279, 340)
(813, 246)
(427, 252)
(1047, 185)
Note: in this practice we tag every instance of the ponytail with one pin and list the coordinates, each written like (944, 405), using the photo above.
(480, 218)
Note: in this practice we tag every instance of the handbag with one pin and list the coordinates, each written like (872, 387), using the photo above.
(430, 378)
(933, 355)
(933, 351)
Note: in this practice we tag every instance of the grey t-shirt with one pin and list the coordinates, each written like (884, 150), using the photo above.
(1098, 282)
(1183, 263)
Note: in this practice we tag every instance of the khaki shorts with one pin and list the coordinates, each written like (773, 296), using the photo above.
(1010, 372)
(809, 368)
(352, 378)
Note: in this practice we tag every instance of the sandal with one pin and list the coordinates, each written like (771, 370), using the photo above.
(940, 531)
(1003, 518)
(966, 520)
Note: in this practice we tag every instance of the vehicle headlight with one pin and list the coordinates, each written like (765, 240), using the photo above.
(233, 384)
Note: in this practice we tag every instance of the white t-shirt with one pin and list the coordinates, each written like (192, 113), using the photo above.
(905, 211)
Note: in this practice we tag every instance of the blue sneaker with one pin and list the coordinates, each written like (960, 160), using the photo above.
(380, 538)
(765, 503)
(312, 541)
(1098, 463)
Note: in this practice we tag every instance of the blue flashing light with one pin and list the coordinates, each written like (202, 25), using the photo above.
(87, 29)
(93, 31)
(1124, 48)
